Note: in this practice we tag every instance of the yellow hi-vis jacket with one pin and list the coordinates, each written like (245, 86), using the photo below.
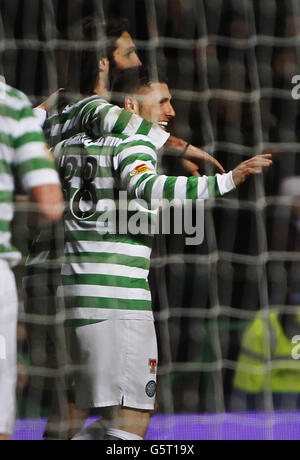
(265, 362)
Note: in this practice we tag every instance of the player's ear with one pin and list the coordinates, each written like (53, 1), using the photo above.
(104, 65)
(131, 104)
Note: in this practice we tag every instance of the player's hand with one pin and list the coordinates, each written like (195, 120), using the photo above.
(253, 166)
(50, 103)
(198, 157)
(202, 159)
(191, 167)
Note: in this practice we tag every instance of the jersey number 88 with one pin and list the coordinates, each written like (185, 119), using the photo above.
(82, 202)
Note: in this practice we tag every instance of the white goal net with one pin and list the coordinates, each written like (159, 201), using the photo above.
(227, 311)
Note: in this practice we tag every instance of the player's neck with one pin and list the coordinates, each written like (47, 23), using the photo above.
(102, 86)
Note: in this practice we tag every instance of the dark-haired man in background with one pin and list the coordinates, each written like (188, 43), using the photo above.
(98, 68)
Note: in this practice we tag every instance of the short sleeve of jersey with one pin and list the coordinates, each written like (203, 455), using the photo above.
(32, 158)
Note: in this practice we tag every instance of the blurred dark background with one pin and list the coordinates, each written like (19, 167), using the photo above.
(230, 65)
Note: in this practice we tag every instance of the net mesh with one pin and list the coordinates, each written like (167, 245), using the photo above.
(230, 65)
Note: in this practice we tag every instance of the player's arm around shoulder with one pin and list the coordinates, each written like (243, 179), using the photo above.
(100, 117)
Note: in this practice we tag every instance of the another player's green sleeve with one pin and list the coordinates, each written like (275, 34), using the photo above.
(96, 117)
(32, 159)
(100, 118)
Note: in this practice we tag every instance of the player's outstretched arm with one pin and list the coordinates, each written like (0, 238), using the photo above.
(136, 163)
(253, 166)
(193, 157)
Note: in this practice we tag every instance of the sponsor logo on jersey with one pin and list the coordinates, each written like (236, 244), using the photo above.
(150, 388)
(140, 170)
(49, 153)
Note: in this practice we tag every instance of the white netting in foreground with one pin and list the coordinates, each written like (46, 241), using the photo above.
(228, 310)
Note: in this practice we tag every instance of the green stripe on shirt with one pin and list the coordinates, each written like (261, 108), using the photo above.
(192, 188)
(106, 258)
(107, 303)
(105, 280)
(18, 118)
(213, 188)
(29, 137)
(169, 188)
(144, 128)
(122, 122)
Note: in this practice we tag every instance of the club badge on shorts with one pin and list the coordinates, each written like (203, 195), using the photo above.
(150, 389)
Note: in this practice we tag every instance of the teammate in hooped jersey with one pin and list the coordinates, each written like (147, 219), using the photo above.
(24, 157)
(105, 276)
(96, 116)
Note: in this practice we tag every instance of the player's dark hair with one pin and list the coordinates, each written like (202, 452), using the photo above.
(82, 67)
(79, 69)
(114, 28)
(129, 81)
(94, 34)
(103, 36)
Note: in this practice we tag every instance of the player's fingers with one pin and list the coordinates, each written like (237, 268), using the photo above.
(215, 162)
(55, 95)
(264, 162)
(263, 155)
(253, 170)
(59, 90)
(191, 167)
(267, 155)
(219, 167)
(263, 159)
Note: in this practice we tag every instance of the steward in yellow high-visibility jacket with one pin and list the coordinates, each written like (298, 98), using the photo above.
(268, 371)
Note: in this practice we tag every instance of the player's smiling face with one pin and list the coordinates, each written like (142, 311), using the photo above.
(125, 55)
(155, 104)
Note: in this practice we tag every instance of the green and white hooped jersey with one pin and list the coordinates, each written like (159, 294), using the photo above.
(94, 116)
(24, 159)
(106, 275)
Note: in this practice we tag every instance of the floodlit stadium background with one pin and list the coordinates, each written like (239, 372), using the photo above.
(230, 65)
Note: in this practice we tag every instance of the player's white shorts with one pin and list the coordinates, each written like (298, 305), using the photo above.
(8, 345)
(119, 364)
